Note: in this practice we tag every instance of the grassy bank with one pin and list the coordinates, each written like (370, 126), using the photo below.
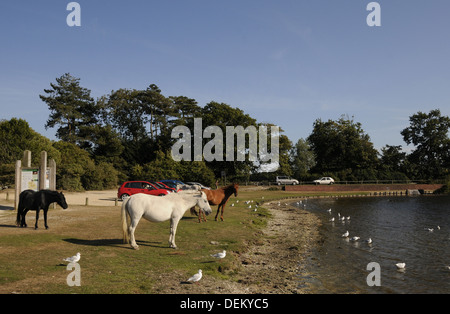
(31, 260)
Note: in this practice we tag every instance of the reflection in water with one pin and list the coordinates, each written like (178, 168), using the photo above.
(400, 230)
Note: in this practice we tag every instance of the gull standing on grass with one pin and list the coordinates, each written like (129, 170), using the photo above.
(196, 277)
(220, 255)
(73, 259)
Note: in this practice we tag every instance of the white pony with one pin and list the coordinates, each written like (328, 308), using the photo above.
(158, 209)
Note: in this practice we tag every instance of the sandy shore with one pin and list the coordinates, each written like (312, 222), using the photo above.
(273, 265)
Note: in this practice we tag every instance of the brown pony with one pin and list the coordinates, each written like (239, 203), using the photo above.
(218, 197)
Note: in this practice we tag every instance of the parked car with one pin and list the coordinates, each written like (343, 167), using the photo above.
(172, 183)
(286, 180)
(163, 186)
(324, 180)
(199, 185)
(129, 188)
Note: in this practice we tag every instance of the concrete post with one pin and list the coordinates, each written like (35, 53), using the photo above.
(17, 182)
(43, 171)
(27, 159)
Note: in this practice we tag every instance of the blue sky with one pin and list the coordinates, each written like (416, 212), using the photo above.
(283, 62)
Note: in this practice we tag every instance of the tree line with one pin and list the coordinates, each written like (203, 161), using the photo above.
(126, 135)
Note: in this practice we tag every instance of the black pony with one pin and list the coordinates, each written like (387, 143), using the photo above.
(31, 200)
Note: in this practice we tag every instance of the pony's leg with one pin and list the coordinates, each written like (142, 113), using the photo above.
(201, 214)
(37, 218)
(221, 212)
(173, 231)
(22, 220)
(204, 215)
(217, 214)
(45, 217)
(131, 228)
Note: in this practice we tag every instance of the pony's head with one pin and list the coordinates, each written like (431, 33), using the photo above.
(61, 200)
(203, 203)
(236, 188)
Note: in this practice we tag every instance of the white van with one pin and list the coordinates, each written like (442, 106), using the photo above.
(286, 180)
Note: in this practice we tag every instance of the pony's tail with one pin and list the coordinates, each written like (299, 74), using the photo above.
(193, 211)
(19, 210)
(125, 224)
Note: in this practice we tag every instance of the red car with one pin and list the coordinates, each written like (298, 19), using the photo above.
(129, 188)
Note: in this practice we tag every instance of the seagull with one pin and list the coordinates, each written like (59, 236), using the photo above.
(332, 219)
(232, 205)
(329, 210)
(345, 235)
(73, 259)
(369, 241)
(400, 265)
(354, 239)
(348, 217)
(196, 277)
(439, 228)
(220, 255)
(430, 229)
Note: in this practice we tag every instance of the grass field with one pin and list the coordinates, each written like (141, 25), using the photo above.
(31, 261)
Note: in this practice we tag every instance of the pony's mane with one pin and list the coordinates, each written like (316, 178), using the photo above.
(229, 186)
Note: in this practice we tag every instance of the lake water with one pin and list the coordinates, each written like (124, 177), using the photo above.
(398, 227)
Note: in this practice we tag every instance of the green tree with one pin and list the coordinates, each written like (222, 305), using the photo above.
(16, 136)
(429, 134)
(123, 110)
(303, 159)
(78, 172)
(393, 163)
(342, 147)
(223, 115)
(72, 110)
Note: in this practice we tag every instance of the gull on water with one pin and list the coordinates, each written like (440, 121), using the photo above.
(355, 238)
(400, 265)
(369, 241)
(73, 259)
(332, 219)
(220, 254)
(345, 235)
(196, 277)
